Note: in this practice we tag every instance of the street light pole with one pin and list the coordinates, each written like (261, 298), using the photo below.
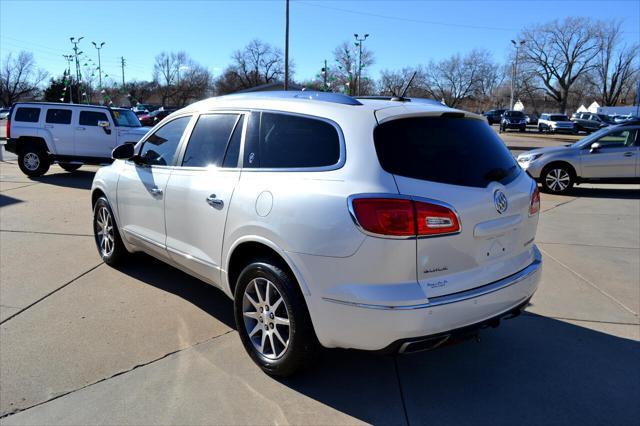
(99, 62)
(359, 44)
(76, 54)
(286, 47)
(69, 59)
(514, 70)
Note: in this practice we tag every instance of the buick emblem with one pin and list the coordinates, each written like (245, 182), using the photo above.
(500, 201)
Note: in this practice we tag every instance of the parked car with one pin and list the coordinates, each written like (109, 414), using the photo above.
(513, 120)
(494, 116)
(69, 134)
(4, 112)
(532, 119)
(329, 219)
(609, 155)
(589, 122)
(556, 123)
(154, 117)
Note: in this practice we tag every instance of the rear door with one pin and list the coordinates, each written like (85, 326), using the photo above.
(92, 140)
(202, 184)
(58, 123)
(462, 164)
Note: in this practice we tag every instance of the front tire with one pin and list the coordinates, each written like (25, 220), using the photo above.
(557, 179)
(272, 319)
(33, 161)
(105, 230)
(70, 167)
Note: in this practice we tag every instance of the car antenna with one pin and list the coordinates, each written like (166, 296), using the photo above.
(401, 98)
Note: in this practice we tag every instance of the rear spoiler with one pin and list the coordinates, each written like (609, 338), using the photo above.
(417, 110)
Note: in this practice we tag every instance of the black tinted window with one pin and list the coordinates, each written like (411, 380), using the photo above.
(450, 150)
(30, 115)
(59, 116)
(160, 148)
(91, 118)
(289, 141)
(233, 150)
(559, 118)
(209, 140)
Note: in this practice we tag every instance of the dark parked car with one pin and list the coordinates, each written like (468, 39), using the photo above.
(532, 119)
(589, 122)
(513, 120)
(494, 116)
(154, 117)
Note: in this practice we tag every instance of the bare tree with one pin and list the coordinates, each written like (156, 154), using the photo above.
(559, 52)
(19, 78)
(195, 81)
(392, 83)
(138, 92)
(615, 66)
(166, 72)
(345, 72)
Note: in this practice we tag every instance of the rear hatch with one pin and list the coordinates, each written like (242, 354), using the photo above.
(461, 162)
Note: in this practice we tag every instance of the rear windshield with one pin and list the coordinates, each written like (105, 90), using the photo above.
(452, 150)
(515, 114)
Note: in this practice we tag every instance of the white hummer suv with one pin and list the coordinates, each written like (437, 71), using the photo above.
(69, 134)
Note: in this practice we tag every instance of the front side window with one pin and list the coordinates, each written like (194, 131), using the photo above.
(91, 118)
(619, 139)
(160, 148)
(59, 116)
(291, 141)
(28, 115)
(209, 140)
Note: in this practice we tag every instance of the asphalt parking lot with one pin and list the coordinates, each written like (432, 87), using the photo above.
(83, 343)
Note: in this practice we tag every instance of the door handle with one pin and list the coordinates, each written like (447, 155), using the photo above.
(80, 128)
(214, 202)
(628, 154)
(48, 126)
(156, 191)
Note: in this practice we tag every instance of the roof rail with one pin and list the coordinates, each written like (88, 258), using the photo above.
(397, 99)
(337, 98)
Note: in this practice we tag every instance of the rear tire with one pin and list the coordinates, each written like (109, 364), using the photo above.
(33, 161)
(557, 179)
(106, 233)
(70, 167)
(275, 328)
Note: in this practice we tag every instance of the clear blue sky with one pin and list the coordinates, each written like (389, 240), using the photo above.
(401, 32)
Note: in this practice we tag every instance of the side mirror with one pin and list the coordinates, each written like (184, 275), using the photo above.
(103, 123)
(123, 152)
(595, 147)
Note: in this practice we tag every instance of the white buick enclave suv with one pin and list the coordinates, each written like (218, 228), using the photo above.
(375, 224)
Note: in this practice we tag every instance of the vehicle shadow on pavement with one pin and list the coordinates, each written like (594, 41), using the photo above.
(7, 201)
(80, 179)
(631, 193)
(156, 273)
(531, 370)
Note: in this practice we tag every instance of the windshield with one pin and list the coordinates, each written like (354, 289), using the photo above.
(588, 140)
(456, 151)
(606, 118)
(514, 114)
(557, 117)
(125, 118)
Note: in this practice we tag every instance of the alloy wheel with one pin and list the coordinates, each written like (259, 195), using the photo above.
(557, 180)
(266, 318)
(104, 231)
(31, 161)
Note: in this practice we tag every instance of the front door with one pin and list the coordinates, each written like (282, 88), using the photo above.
(616, 157)
(92, 140)
(202, 185)
(142, 186)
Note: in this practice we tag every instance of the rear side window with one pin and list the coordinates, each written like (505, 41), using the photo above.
(451, 150)
(290, 141)
(91, 118)
(209, 140)
(160, 148)
(28, 115)
(59, 116)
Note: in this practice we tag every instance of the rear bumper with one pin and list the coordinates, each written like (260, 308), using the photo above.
(515, 126)
(10, 145)
(376, 327)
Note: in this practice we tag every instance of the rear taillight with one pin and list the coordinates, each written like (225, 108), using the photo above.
(8, 133)
(404, 218)
(534, 204)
